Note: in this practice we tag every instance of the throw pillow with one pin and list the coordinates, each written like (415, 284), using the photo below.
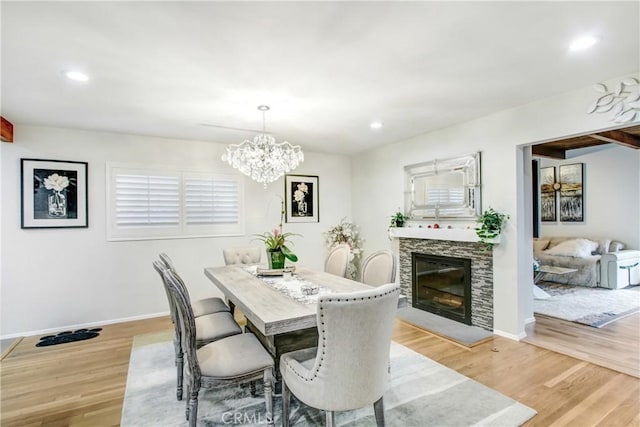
(574, 247)
(603, 246)
(616, 246)
(540, 245)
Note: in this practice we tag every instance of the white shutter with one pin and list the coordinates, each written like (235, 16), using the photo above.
(211, 200)
(147, 200)
(162, 203)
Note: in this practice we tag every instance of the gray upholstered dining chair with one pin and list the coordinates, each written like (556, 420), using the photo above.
(209, 327)
(203, 306)
(242, 255)
(232, 360)
(379, 268)
(338, 260)
(349, 369)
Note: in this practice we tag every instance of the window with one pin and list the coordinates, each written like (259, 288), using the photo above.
(150, 203)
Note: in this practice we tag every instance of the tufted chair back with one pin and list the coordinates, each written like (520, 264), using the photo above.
(379, 268)
(242, 255)
(338, 260)
(351, 364)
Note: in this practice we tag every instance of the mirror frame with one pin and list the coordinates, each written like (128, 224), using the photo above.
(467, 165)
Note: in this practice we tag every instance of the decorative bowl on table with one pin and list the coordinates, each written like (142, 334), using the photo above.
(309, 289)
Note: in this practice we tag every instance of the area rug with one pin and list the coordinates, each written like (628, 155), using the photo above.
(421, 392)
(596, 307)
(467, 335)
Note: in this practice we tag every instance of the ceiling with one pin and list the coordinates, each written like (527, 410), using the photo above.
(326, 69)
(561, 149)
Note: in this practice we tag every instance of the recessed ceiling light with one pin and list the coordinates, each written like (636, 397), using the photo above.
(582, 43)
(375, 125)
(76, 76)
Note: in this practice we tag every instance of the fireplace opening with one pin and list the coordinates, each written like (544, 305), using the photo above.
(442, 285)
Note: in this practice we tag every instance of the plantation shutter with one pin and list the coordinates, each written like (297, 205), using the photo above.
(147, 200)
(211, 200)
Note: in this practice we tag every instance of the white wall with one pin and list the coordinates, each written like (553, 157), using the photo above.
(53, 278)
(611, 195)
(378, 184)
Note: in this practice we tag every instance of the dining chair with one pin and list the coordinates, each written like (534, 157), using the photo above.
(209, 327)
(233, 360)
(242, 255)
(349, 369)
(203, 306)
(379, 268)
(338, 260)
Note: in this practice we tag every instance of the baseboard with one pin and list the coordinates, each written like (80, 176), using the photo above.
(84, 325)
(514, 337)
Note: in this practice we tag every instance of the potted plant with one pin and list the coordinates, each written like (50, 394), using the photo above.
(276, 244)
(398, 219)
(491, 223)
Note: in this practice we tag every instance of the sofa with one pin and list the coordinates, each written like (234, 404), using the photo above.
(585, 255)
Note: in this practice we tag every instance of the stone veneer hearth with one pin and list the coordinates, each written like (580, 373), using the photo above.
(481, 272)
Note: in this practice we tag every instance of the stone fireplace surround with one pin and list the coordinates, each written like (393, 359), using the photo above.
(481, 272)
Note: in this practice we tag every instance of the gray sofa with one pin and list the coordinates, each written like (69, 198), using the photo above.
(583, 254)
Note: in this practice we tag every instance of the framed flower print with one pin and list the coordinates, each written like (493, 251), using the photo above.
(54, 194)
(301, 198)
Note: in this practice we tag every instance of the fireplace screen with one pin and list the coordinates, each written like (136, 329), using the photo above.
(442, 285)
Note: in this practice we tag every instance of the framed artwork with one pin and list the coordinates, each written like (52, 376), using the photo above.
(53, 194)
(571, 185)
(301, 198)
(547, 194)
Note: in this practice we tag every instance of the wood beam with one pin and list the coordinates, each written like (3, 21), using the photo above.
(618, 137)
(6, 130)
(553, 153)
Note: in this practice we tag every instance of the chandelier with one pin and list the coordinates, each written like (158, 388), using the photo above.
(263, 159)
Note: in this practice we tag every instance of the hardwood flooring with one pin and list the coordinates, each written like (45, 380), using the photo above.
(615, 346)
(82, 384)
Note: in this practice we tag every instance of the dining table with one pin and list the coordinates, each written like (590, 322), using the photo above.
(280, 308)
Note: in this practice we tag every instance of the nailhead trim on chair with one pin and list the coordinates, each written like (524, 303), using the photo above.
(324, 337)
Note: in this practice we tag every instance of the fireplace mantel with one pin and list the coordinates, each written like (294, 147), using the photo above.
(453, 234)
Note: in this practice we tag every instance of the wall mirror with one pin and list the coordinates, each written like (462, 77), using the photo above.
(444, 188)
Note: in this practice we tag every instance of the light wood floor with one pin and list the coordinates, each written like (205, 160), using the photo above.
(82, 384)
(615, 346)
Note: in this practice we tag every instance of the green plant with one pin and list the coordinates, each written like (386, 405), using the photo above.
(398, 219)
(276, 240)
(491, 223)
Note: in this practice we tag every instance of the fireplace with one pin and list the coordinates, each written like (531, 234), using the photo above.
(442, 285)
(481, 271)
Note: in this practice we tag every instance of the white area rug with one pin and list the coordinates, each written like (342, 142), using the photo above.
(596, 307)
(421, 393)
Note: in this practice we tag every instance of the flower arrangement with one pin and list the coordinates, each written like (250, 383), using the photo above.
(57, 200)
(346, 232)
(299, 197)
(276, 243)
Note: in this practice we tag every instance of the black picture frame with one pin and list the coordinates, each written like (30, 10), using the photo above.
(53, 194)
(548, 194)
(571, 192)
(301, 198)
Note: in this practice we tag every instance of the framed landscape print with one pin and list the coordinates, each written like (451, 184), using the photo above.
(571, 201)
(53, 193)
(301, 198)
(547, 194)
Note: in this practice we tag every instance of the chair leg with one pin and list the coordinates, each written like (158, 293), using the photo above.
(378, 409)
(286, 398)
(330, 418)
(268, 396)
(180, 372)
(193, 409)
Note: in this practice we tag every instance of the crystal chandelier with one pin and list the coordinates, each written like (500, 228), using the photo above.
(263, 159)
